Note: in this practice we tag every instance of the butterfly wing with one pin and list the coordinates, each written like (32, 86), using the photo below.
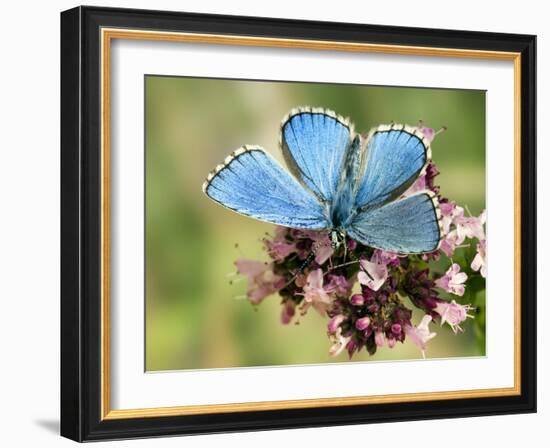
(396, 155)
(409, 225)
(252, 183)
(313, 141)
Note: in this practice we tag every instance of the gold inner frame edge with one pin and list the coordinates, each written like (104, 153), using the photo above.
(107, 35)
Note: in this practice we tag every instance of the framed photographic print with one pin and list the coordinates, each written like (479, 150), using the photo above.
(274, 224)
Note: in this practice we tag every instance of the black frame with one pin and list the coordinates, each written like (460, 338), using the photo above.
(80, 224)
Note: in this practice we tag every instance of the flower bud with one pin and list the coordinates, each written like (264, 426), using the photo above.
(363, 323)
(287, 312)
(379, 338)
(352, 347)
(357, 300)
(396, 329)
(431, 302)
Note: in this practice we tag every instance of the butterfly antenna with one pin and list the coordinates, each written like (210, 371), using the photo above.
(306, 263)
(345, 249)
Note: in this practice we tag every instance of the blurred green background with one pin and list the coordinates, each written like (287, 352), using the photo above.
(195, 317)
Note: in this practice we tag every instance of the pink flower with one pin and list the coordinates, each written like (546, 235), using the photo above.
(453, 280)
(425, 181)
(479, 262)
(469, 226)
(323, 253)
(322, 246)
(453, 313)
(429, 133)
(339, 343)
(262, 281)
(419, 184)
(374, 273)
(387, 258)
(287, 312)
(334, 323)
(279, 250)
(279, 247)
(339, 285)
(465, 226)
(421, 334)
(449, 243)
(315, 294)
(449, 211)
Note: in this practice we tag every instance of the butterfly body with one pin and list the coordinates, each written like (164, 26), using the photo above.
(343, 207)
(342, 183)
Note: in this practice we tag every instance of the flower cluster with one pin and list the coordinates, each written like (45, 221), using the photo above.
(368, 295)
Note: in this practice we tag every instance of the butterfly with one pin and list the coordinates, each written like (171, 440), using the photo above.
(339, 181)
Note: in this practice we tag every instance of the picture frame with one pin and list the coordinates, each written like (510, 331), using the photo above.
(87, 35)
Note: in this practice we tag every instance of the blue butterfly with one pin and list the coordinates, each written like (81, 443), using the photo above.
(341, 182)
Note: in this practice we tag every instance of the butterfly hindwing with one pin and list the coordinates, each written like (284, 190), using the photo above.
(409, 225)
(252, 183)
(314, 141)
(396, 155)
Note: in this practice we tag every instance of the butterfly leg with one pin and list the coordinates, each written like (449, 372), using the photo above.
(345, 243)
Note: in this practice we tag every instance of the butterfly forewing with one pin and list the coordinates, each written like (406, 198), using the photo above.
(395, 157)
(313, 142)
(252, 183)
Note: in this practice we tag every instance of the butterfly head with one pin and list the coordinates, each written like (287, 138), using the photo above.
(337, 238)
